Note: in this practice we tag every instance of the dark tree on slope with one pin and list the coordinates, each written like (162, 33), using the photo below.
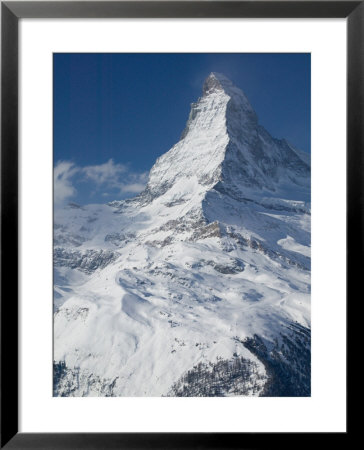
(237, 376)
(288, 363)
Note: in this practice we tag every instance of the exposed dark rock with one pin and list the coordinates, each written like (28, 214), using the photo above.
(206, 231)
(87, 261)
(119, 239)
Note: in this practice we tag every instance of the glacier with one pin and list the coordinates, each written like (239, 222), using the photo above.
(200, 285)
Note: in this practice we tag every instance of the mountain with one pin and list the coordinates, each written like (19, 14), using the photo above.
(200, 285)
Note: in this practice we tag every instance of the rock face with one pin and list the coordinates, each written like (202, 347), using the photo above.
(203, 276)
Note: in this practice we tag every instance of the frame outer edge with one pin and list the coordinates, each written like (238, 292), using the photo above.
(9, 224)
(9, 213)
(355, 164)
(355, 127)
(183, 9)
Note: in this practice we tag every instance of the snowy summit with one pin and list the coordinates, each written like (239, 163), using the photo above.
(200, 285)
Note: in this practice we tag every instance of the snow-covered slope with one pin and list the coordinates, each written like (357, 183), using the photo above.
(201, 284)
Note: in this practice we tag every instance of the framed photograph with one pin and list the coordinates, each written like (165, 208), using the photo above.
(181, 196)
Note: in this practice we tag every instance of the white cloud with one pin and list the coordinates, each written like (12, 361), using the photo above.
(108, 173)
(107, 179)
(134, 183)
(63, 187)
(116, 176)
(132, 188)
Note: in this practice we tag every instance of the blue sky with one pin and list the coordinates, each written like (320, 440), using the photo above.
(114, 114)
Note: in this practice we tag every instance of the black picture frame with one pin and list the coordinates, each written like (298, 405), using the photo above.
(11, 12)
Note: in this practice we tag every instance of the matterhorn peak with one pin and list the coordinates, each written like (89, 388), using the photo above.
(219, 82)
(223, 146)
(215, 82)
